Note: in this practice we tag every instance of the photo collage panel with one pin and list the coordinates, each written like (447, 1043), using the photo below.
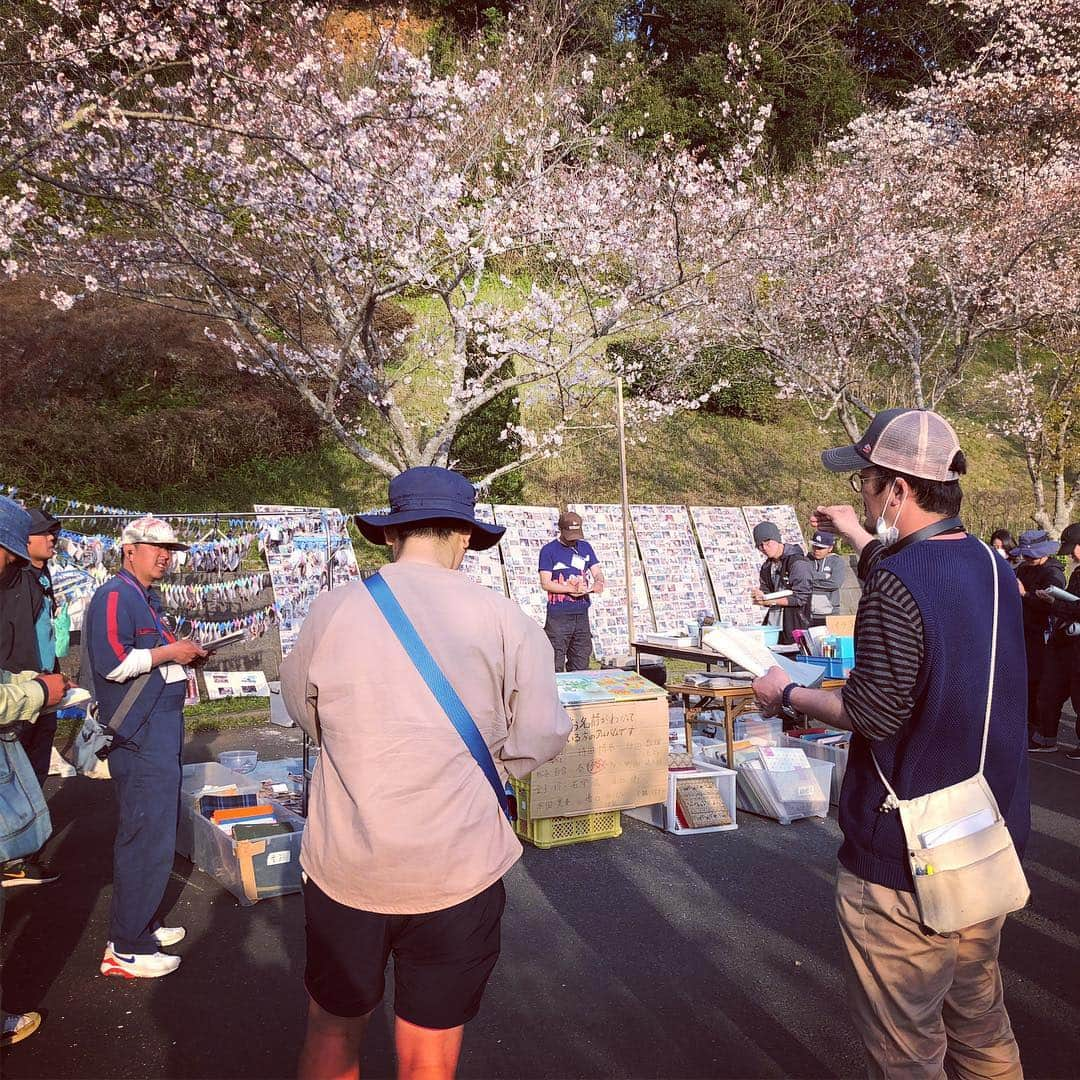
(528, 529)
(673, 568)
(731, 560)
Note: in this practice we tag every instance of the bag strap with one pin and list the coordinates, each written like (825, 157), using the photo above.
(127, 702)
(437, 683)
(893, 800)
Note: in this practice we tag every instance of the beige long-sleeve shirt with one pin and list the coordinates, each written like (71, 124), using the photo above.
(401, 820)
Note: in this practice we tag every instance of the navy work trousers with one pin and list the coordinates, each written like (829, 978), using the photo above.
(146, 777)
(571, 638)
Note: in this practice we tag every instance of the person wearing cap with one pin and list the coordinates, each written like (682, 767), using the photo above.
(569, 572)
(1037, 571)
(128, 641)
(20, 602)
(923, 1003)
(828, 577)
(1061, 659)
(785, 568)
(406, 842)
(41, 545)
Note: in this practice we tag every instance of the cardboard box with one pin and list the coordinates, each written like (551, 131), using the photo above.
(617, 753)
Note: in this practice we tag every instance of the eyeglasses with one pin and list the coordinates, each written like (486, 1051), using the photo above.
(857, 480)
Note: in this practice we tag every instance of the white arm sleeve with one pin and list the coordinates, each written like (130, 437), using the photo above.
(137, 663)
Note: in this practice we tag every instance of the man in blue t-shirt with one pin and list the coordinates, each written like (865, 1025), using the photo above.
(569, 571)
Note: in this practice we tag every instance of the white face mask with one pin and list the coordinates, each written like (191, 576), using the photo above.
(889, 534)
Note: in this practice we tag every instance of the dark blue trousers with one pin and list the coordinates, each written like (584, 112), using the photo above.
(147, 783)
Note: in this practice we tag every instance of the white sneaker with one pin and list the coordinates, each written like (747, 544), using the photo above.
(137, 965)
(169, 935)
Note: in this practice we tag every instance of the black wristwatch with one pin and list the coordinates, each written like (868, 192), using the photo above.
(785, 698)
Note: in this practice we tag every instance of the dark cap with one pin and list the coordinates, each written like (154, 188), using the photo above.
(1069, 539)
(428, 493)
(570, 525)
(42, 522)
(915, 442)
(822, 539)
(766, 530)
(1034, 544)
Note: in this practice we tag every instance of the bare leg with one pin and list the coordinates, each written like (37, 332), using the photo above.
(331, 1048)
(426, 1053)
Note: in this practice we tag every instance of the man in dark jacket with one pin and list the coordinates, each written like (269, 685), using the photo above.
(828, 579)
(924, 1003)
(20, 604)
(1037, 570)
(785, 569)
(1061, 661)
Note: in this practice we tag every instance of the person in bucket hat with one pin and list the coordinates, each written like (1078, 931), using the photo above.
(1037, 571)
(1061, 660)
(406, 842)
(915, 702)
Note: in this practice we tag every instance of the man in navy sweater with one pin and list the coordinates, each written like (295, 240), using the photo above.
(923, 1002)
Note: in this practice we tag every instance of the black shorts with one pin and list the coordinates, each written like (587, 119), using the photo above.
(442, 960)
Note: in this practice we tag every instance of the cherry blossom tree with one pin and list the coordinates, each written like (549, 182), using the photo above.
(876, 276)
(1040, 399)
(224, 159)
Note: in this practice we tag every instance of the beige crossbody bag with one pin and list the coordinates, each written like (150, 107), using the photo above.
(962, 857)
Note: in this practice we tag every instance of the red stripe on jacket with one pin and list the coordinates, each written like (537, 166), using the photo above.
(112, 626)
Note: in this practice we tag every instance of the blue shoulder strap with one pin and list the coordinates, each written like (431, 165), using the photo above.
(437, 683)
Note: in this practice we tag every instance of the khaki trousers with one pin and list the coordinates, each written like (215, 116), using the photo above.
(926, 1005)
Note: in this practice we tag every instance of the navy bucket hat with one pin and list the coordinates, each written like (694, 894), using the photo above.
(428, 493)
(14, 527)
(1034, 544)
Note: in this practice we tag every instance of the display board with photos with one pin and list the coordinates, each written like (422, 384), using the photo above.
(732, 562)
(783, 517)
(528, 529)
(223, 684)
(485, 567)
(299, 542)
(603, 528)
(673, 567)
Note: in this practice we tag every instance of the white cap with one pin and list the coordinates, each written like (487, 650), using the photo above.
(151, 530)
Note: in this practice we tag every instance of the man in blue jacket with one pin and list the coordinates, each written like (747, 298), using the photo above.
(140, 686)
(924, 1003)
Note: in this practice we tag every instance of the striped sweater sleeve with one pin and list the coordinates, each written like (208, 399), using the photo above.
(879, 697)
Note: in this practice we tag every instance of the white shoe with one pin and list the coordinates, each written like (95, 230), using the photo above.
(169, 935)
(137, 965)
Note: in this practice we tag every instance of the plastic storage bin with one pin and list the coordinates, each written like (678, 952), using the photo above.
(769, 634)
(835, 667)
(765, 730)
(758, 796)
(838, 755)
(560, 831)
(663, 815)
(251, 870)
(194, 780)
(241, 761)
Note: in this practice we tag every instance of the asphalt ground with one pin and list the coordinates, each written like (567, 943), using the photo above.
(643, 956)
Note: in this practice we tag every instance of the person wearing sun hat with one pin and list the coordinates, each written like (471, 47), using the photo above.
(917, 703)
(1036, 570)
(406, 843)
(1061, 660)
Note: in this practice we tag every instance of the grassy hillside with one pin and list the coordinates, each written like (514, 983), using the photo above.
(122, 405)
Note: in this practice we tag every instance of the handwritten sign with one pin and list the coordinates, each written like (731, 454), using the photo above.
(616, 758)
